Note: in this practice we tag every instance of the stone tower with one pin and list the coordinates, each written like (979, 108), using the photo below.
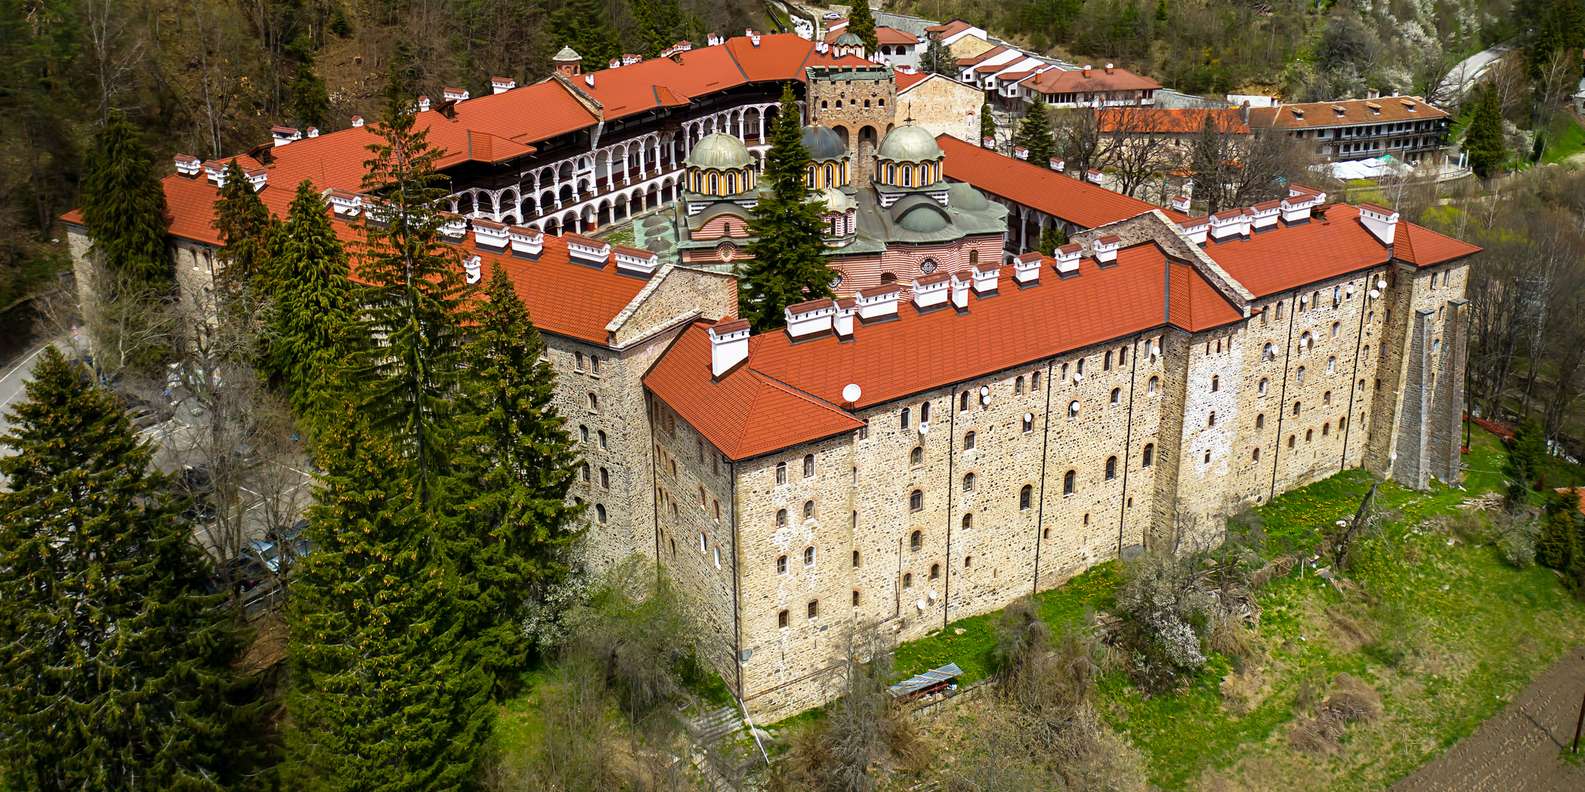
(856, 102)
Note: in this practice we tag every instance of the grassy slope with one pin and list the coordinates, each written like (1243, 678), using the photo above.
(1565, 138)
(1451, 634)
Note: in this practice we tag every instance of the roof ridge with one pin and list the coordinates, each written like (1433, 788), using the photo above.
(801, 393)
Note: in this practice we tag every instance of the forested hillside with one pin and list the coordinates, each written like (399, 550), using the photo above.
(209, 77)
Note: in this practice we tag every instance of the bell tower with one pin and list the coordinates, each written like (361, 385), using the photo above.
(856, 102)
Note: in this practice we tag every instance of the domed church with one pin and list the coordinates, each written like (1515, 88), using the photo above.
(906, 223)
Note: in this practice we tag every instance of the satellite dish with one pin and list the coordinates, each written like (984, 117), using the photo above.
(924, 427)
(1381, 283)
(985, 398)
(920, 604)
(985, 390)
(851, 392)
(1077, 377)
(1029, 416)
(1374, 293)
(932, 596)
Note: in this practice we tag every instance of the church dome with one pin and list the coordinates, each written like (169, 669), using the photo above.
(909, 144)
(963, 196)
(719, 151)
(849, 39)
(836, 200)
(823, 143)
(920, 214)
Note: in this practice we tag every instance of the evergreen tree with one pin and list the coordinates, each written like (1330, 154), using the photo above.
(1526, 454)
(124, 206)
(987, 124)
(116, 664)
(245, 226)
(313, 333)
(1558, 544)
(414, 294)
(1051, 239)
(861, 23)
(387, 692)
(585, 25)
(310, 100)
(519, 465)
(788, 264)
(938, 60)
(1034, 133)
(1483, 139)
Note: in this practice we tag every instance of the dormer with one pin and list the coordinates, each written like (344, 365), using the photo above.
(1410, 106)
(257, 178)
(1298, 113)
(1374, 108)
(931, 290)
(1339, 111)
(345, 204)
(1067, 259)
(489, 234)
(451, 94)
(636, 261)
(502, 84)
(454, 227)
(810, 318)
(585, 250)
(1196, 229)
(878, 302)
(987, 275)
(189, 165)
(1026, 268)
(1380, 222)
(728, 345)
(1179, 203)
(526, 240)
(1228, 224)
(1105, 248)
(1263, 216)
(283, 135)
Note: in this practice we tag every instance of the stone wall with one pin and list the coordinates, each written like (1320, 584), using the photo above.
(944, 106)
(858, 108)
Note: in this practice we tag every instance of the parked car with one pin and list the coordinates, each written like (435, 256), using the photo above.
(197, 486)
(243, 574)
(269, 550)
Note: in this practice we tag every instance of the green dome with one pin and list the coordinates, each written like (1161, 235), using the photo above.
(920, 214)
(849, 39)
(963, 196)
(719, 151)
(909, 144)
(567, 54)
(823, 143)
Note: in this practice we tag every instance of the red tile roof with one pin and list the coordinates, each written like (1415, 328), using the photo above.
(906, 80)
(883, 34)
(1308, 115)
(1063, 197)
(789, 392)
(947, 29)
(1172, 121)
(1059, 81)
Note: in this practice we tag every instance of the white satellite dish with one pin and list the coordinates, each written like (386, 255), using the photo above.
(985, 390)
(1381, 283)
(920, 604)
(1374, 294)
(851, 392)
(924, 427)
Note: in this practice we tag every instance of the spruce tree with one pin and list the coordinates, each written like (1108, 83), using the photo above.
(861, 23)
(1526, 454)
(1483, 139)
(245, 226)
(788, 264)
(387, 692)
(313, 327)
(414, 294)
(987, 125)
(516, 465)
(310, 102)
(124, 207)
(1557, 546)
(1052, 238)
(116, 663)
(938, 60)
(1034, 134)
(585, 25)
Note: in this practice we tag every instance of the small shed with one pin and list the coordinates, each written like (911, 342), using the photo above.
(933, 681)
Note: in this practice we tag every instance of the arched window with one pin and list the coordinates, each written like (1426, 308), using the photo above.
(599, 513)
(968, 521)
(1149, 457)
(916, 540)
(594, 403)
(1331, 365)
(601, 436)
(583, 433)
(1326, 429)
(924, 411)
(1073, 409)
(968, 482)
(963, 401)
(1308, 433)
(584, 468)
(935, 571)
(809, 465)
(908, 580)
(1335, 327)
(1029, 422)
(1025, 495)
(1279, 310)
(809, 509)
(781, 565)
(1018, 385)
(1106, 361)
(908, 176)
(781, 517)
(1255, 455)
(974, 257)
(1295, 408)
(1117, 396)
(1111, 468)
(1298, 376)
(605, 478)
(809, 555)
(1216, 383)
(968, 441)
(714, 183)
(1070, 482)
(916, 500)
(1262, 386)
(1207, 456)
(916, 456)
(1122, 356)
(1210, 420)
(855, 558)
(905, 418)
(1034, 382)
(1342, 423)
(1291, 439)
(1269, 351)
(1326, 398)
(1260, 421)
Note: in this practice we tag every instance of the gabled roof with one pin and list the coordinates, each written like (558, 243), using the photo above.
(1170, 120)
(906, 80)
(883, 34)
(791, 392)
(1074, 200)
(1309, 115)
(1060, 81)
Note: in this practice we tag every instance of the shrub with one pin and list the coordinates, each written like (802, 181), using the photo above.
(1163, 613)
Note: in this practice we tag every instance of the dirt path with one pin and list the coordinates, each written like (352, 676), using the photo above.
(1517, 749)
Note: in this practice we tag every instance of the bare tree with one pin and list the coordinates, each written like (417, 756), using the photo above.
(114, 49)
(1078, 136)
(1136, 145)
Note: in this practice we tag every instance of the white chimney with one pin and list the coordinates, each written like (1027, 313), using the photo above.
(526, 240)
(1067, 258)
(843, 321)
(260, 177)
(931, 290)
(629, 59)
(753, 38)
(878, 301)
(1264, 215)
(489, 234)
(357, 121)
(1026, 268)
(188, 165)
(423, 104)
(453, 226)
(283, 135)
(1296, 207)
(1179, 203)
(588, 251)
(728, 345)
(1196, 228)
(810, 318)
(1093, 176)
(986, 276)
(712, 39)
(614, 63)
(1020, 152)
(1230, 223)
(636, 261)
(1105, 248)
(473, 268)
(960, 290)
(588, 79)
(313, 132)
(502, 84)
(988, 142)
(345, 204)
(1057, 164)
(454, 94)
(1381, 223)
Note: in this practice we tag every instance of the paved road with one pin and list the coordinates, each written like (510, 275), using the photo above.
(1462, 77)
(15, 377)
(1519, 748)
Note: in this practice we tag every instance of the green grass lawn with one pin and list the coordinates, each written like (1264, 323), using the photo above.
(1564, 138)
(1450, 634)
